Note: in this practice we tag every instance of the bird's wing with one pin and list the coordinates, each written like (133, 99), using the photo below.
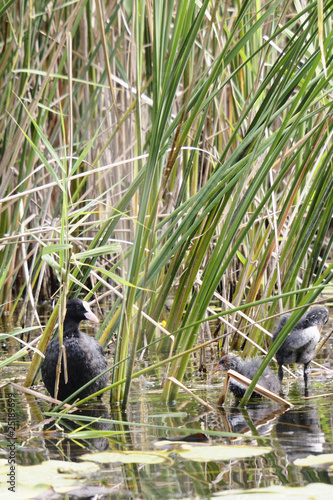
(297, 340)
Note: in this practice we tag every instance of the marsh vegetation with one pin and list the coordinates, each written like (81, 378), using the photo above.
(159, 154)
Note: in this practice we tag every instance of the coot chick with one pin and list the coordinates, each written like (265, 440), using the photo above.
(85, 356)
(300, 345)
(249, 370)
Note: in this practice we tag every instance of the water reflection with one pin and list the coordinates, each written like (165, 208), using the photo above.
(72, 447)
(299, 432)
(290, 434)
(259, 417)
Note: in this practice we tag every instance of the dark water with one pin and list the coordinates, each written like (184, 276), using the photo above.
(306, 429)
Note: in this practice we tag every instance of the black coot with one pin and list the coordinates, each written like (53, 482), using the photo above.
(300, 345)
(85, 356)
(249, 370)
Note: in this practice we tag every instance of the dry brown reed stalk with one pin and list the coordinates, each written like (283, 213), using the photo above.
(258, 388)
(38, 395)
(194, 396)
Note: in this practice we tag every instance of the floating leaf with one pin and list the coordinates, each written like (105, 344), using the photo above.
(312, 460)
(55, 473)
(313, 491)
(219, 452)
(196, 452)
(126, 457)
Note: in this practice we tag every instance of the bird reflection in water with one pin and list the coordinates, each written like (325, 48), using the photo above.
(73, 448)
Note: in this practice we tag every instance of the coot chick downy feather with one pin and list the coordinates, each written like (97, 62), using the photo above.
(249, 370)
(300, 345)
(85, 356)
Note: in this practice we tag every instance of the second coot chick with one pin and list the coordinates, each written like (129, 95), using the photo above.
(85, 356)
(300, 345)
(249, 370)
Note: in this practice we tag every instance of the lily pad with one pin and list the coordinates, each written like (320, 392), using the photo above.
(219, 452)
(126, 457)
(313, 491)
(56, 473)
(313, 460)
(195, 452)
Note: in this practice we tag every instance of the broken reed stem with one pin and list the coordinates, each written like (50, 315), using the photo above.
(224, 389)
(38, 395)
(329, 394)
(201, 401)
(258, 388)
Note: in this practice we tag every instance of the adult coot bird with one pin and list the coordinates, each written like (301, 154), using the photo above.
(300, 345)
(248, 369)
(85, 356)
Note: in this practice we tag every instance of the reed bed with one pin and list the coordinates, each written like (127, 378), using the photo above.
(167, 152)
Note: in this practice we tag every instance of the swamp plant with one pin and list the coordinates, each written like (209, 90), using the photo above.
(169, 152)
